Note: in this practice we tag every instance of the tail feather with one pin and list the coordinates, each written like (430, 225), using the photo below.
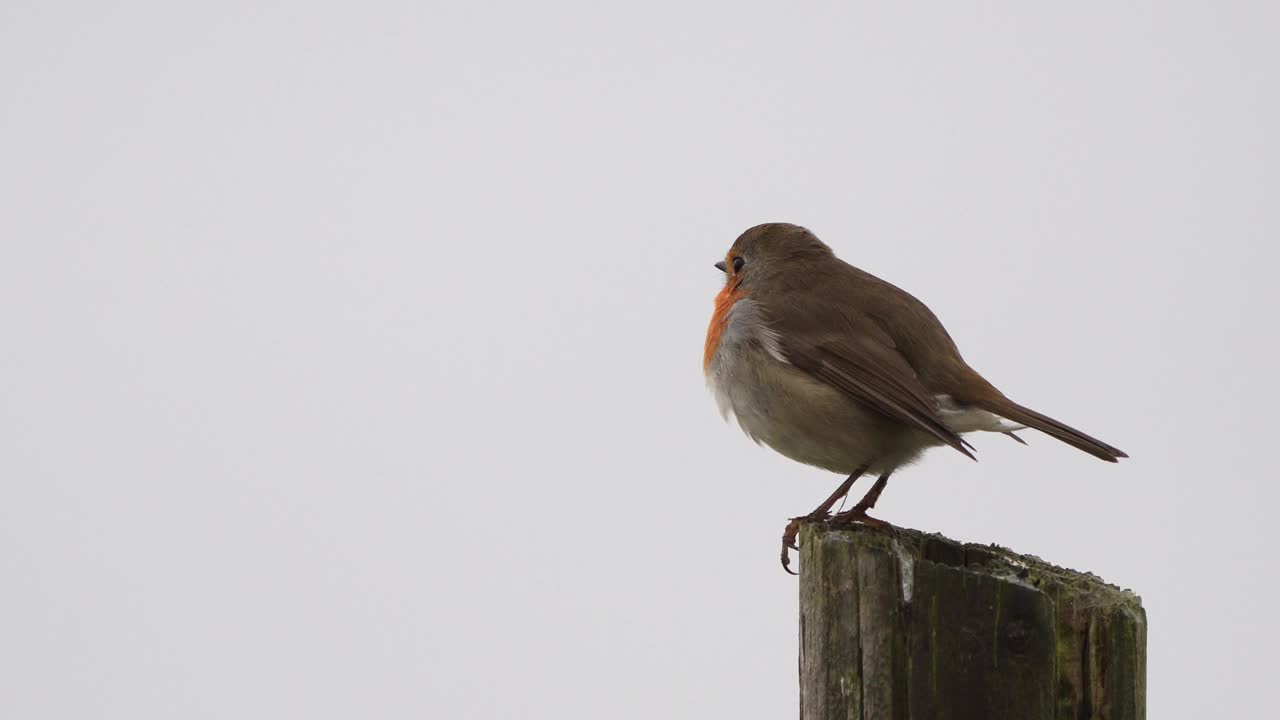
(1010, 410)
(1014, 435)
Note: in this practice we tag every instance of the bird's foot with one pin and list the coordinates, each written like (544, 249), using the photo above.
(789, 536)
(859, 516)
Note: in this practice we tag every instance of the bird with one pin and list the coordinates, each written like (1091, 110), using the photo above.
(833, 367)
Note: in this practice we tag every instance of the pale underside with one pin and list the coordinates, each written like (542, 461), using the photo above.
(781, 406)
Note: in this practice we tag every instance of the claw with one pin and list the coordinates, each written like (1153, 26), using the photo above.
(786, 563)
(789, 543)
(789, 537)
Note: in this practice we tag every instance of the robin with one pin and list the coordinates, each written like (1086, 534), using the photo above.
(836, 368)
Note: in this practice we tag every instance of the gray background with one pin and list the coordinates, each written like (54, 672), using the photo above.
(351, 352)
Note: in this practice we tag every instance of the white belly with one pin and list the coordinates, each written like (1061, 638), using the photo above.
(806, 420)
(802, 418)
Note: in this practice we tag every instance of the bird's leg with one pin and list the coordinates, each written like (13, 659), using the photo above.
(819, 513)
(858, 513)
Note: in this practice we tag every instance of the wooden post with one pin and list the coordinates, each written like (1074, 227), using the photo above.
(919, 627)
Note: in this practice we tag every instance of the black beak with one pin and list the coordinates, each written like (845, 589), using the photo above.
(720, 266)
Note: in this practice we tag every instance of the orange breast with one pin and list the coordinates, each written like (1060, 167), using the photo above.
(719, 321)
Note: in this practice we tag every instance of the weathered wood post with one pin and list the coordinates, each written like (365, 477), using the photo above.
(919, 627)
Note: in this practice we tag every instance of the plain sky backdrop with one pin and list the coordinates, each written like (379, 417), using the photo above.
(351, 359)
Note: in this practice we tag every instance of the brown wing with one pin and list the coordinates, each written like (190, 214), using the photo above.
(875, 374)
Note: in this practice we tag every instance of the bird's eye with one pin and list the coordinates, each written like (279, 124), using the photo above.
(737, 264)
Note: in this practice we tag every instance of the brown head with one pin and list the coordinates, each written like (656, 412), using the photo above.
(765, 258)
(771, 252)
